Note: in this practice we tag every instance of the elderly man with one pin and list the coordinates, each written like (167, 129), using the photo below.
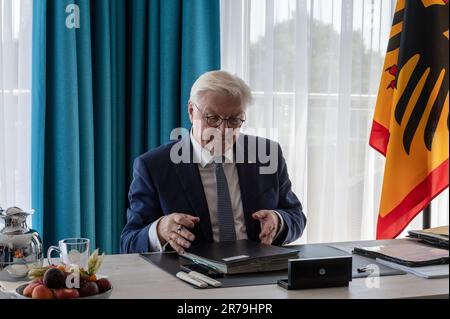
(220, 192)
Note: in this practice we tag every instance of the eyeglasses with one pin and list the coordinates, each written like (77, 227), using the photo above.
(215, 120)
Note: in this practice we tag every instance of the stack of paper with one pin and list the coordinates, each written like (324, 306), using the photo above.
(429, 272)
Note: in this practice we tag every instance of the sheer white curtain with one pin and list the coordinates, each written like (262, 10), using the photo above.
(314, 68)
(15, 102)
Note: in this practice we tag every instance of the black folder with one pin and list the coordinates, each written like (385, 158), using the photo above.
(241, 256)
(437, 237)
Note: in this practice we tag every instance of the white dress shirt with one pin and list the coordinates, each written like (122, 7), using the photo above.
(207, 174)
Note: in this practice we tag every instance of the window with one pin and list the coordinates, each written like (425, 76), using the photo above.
(15, 103)
(314, 67)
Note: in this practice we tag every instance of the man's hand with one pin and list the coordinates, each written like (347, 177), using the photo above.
(173, 229)
(270, 222)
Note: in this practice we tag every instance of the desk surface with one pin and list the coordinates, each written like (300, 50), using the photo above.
(135, 278)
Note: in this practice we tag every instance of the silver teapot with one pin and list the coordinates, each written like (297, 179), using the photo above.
(20, 246)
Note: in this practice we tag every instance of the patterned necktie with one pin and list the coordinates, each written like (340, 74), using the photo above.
(224, 209)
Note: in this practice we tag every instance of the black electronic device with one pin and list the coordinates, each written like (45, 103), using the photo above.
(319, 272)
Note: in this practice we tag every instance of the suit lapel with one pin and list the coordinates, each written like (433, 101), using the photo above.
(248, 179)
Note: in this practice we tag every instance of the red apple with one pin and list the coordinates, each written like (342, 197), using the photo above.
(66, 293)
(103, 285)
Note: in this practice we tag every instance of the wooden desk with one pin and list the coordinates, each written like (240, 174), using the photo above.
(135, 278)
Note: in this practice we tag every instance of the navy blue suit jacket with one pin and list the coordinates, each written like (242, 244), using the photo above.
(161, 187)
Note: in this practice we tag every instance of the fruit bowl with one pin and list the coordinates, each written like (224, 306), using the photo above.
(57, 281)
(104, 295)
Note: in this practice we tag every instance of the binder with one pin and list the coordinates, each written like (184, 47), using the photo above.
(437, 237)
(241, 256)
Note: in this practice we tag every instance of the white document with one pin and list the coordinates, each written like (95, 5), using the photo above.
(428, 272)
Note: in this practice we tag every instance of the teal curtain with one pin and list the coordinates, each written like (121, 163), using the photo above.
(103, 94)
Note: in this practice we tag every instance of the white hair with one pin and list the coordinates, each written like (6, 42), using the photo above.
(222, 82)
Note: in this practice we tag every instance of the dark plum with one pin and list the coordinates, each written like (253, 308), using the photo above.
(89, 288)
(54, 278)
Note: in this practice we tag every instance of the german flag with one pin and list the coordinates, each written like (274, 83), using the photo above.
(411, 121)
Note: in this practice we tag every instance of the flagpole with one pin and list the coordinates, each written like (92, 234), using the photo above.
(427, 217)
